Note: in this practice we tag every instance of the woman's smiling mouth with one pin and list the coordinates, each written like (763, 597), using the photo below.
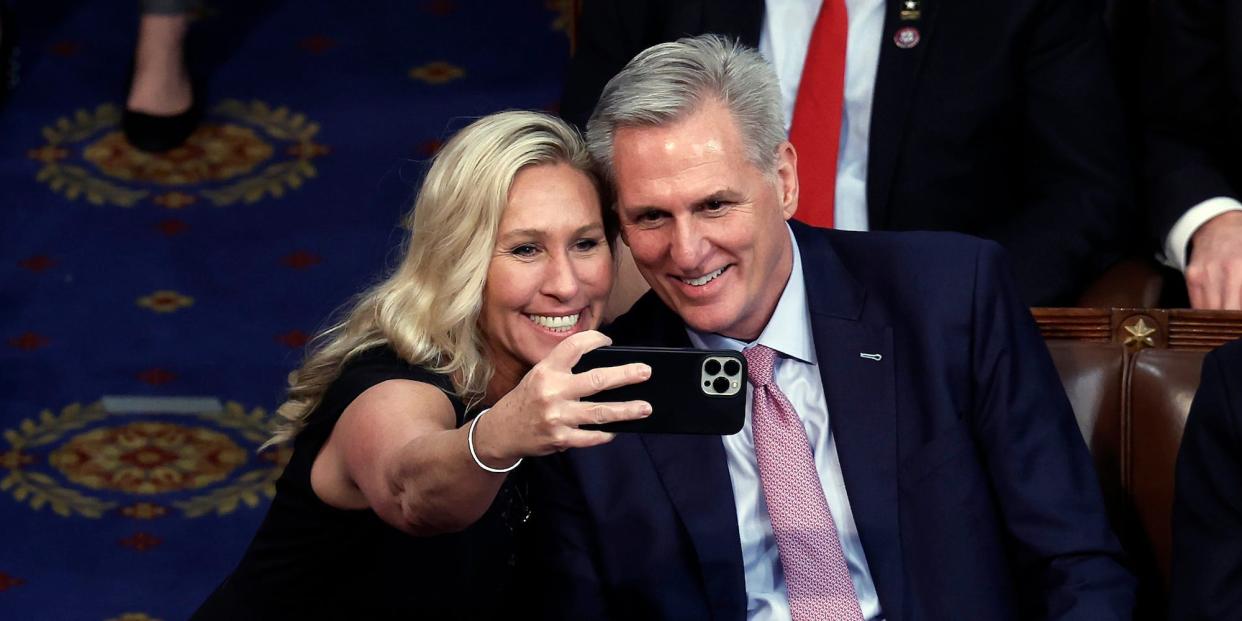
(555, 323)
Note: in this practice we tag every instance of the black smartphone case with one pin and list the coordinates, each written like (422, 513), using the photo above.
(680, 402)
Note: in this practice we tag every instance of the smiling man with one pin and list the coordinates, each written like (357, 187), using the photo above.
(707, 229)
(908, 451)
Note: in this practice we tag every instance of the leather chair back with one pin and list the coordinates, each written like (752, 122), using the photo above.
(1130, 375)
(1162, 384)
(1093, 375)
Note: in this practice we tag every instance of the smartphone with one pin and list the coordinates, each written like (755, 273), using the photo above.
(691, 391)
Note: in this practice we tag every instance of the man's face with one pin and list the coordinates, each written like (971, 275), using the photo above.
(706, 227)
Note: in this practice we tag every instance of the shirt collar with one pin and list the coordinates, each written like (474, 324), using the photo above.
(789, 329)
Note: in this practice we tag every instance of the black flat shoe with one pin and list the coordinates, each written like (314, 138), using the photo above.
(157, 133)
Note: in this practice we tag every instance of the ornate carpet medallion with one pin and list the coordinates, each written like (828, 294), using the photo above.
(212, 153)
(87, 462)
(241, 153)
(147, 458)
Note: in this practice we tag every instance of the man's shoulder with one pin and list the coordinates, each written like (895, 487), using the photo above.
(906, 244)
(903, 253)
(921, 275)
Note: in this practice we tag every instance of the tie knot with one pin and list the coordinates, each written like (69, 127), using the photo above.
(760, 364)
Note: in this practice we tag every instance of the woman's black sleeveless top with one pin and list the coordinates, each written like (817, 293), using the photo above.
(311, 560)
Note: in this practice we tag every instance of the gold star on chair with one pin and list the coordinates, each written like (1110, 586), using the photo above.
(1140, 335)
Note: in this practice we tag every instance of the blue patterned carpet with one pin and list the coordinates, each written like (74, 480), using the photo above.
(151, 307)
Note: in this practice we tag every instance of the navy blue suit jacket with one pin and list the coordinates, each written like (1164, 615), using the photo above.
(1207, 501)
(1003, 122)
(972, 489)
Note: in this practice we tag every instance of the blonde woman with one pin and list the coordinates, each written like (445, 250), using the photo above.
(398, 500)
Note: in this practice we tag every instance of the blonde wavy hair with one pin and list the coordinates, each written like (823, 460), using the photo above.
(427, 310)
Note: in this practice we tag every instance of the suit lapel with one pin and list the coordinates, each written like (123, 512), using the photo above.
(694, 472)
(861, 398)
(895, 77)
(696, 477)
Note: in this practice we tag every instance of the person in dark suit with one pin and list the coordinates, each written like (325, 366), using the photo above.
(1207, 498)
(908, 453)
(996, 119)
(1193, 170)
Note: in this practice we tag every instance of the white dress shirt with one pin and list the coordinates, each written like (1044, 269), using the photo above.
(797, 374)
(1179, 236)
(787, 26)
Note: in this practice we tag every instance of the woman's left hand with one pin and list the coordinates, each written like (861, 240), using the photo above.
(542, 414)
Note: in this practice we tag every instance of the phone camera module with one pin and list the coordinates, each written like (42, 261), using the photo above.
(721, 376)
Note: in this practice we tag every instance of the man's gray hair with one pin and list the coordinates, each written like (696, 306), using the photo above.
(667, 82)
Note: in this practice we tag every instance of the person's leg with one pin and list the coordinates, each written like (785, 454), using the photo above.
(159, 109)
(161, 84)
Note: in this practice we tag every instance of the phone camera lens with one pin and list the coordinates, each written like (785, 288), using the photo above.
(712, 366)
(720, 384)
(732, 368)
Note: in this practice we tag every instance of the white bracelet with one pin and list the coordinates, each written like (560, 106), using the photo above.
(470, 443)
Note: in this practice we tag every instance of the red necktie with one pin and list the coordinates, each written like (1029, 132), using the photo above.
(817, 577)
(816, 128)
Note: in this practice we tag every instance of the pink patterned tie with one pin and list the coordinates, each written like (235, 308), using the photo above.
(816, 576)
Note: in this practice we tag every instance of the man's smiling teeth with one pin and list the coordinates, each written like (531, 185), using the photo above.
(556, 324)
(703, 280)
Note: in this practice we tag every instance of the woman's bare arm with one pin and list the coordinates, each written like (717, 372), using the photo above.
(396, 448)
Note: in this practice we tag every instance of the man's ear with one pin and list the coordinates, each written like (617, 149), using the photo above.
(787, 178)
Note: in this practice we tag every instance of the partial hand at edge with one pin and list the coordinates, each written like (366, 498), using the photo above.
(1214, 272)
(542, 414)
